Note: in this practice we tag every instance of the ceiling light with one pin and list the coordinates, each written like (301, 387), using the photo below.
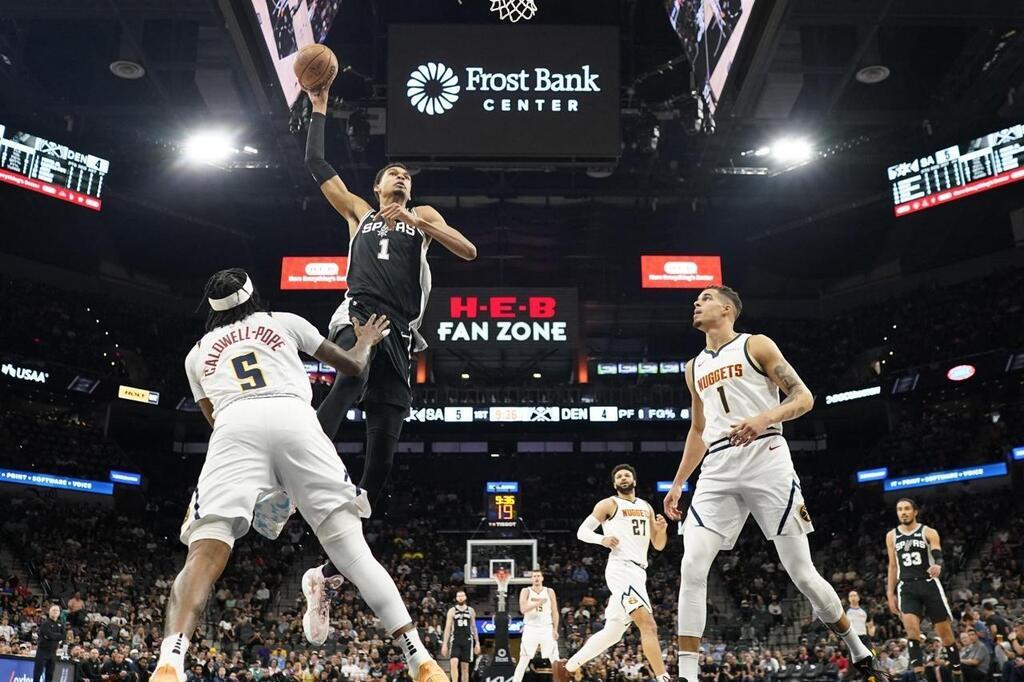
(465, 375)
(208, 147)
(792, 150)
(537, 375)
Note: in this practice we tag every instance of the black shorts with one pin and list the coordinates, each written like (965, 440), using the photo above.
(462, 649)
(386, 379)
(924, 599)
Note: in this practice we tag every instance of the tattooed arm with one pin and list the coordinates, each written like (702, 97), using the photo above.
(798, 401)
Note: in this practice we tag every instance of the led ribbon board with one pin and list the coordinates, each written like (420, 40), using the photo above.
(40, 480)
(945, 477)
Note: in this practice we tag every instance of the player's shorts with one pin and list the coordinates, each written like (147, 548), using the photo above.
(262, 444)
(758, 479)
(627, 583)
(386, 378)
(462, 649)
(538, 639)
(924, 599)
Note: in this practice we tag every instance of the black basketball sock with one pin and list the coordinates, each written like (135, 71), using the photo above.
(914, 651)
(953, 656)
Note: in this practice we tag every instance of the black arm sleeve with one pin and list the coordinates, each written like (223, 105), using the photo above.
(315, 163)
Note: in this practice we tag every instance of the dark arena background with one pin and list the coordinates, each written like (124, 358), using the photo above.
(852, 169)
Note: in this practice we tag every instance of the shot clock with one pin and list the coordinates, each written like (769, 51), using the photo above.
(501, 502)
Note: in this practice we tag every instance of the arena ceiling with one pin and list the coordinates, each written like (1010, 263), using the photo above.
(957, 70)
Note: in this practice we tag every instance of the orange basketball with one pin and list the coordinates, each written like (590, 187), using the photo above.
(315, 65)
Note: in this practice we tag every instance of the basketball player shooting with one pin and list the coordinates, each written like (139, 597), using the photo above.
(913, 587)
(388, 274)
(736, 429)
(539, 607)
(630, 526)
(461, 641)
(247, 378)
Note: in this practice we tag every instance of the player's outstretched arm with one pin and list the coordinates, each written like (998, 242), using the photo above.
(890, 579)
(350, 206)
(353, 361)
(693, 450)
(931, 536)
(798, 401)
(587, 530)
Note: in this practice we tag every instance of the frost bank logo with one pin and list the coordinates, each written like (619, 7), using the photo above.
(433, 88)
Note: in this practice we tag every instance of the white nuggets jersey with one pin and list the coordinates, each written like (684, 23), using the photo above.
(631, 524)
(732, 388)
(540, 617)
(255, 358)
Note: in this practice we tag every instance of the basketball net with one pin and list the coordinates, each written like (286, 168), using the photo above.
(501, 578)
(514, 10)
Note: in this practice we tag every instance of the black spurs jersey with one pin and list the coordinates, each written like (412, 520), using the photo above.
(388, 271)
(913, 556)
(461, 624)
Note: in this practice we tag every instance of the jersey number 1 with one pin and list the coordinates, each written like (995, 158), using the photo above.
(383, 254)
(725, 403)
(248, 371)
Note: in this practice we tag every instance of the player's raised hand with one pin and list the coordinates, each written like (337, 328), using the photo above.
(610, 541)
(374, 331)
(671, 503)
(660, 523)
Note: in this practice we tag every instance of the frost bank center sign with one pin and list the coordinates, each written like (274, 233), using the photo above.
(503, 91)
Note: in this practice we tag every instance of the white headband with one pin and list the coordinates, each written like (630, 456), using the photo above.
(233, 300)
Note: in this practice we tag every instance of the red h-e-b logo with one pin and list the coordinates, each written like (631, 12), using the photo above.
(503, 307)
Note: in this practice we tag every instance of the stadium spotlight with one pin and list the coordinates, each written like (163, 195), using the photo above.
(792, 150)
(208, 146)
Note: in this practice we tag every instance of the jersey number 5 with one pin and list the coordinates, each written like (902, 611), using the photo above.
(248, 371)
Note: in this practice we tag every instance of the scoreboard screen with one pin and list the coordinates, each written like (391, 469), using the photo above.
(501, 500)
(50, 168)
(959, 171)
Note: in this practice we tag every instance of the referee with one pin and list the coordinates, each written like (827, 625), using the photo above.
(858, 617)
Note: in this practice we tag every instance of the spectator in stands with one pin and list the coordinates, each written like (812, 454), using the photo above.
(51, 634)
(975, 659)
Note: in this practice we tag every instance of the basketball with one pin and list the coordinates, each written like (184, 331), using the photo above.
(315, 66)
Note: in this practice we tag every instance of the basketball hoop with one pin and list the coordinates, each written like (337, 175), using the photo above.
(501, 578)
(514, 10)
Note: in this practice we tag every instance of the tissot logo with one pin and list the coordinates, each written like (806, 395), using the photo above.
(433, 88)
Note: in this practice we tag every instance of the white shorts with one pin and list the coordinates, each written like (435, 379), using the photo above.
(627, 583)
(258, 445)
(758, 479)
(541, 638)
